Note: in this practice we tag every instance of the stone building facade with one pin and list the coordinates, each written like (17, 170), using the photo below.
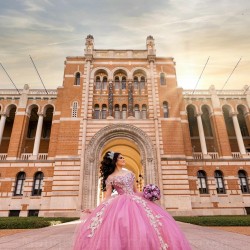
(193, 144)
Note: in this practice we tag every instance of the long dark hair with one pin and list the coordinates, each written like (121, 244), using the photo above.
(107, 167)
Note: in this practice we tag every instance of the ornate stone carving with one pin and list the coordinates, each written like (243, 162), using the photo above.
(110, 99)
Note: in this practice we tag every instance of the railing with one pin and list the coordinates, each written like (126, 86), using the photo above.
(236, 155)
(42, 156)
(214, 155)
(3, 157)
(198, 156)
(26, 156)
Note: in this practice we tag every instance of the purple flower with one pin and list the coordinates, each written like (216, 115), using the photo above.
(151, 192)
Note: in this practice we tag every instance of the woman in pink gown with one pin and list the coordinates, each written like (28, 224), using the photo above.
(127, 221)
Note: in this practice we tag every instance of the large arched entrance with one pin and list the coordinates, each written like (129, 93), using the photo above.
(132, 156)
(127, 139)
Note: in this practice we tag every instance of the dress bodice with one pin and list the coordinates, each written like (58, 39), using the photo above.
(123, 184)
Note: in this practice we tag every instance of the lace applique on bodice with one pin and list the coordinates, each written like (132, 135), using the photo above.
(123, 184)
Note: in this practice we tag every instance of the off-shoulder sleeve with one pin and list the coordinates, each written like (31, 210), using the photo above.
(109, 181)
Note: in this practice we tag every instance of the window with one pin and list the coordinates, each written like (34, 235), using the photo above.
(38, 183)
(124, 111)
(202, 177)
(144, 111)
(165, 109)
(117, 111)
(219, 182)
(162, 79)
(74, 109)
(14, 213)
(33, 212)
(123, 83)
(77, 78)
(243, 181)
(98, 82)
(137, 112)
(142, 82)
(117, 83)
(104, 111)
(96, 112)
(104, 83)
(19, 183)
(136, 82)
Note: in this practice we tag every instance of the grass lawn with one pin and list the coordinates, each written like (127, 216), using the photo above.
(223, 220)
(31, 222)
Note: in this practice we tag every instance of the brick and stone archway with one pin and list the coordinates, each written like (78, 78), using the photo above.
(94, 151)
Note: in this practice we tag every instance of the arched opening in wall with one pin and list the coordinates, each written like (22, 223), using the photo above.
(117, 111)
(104, 111)
(100, 81)
(9, 122)
(77, 78)
(124, 111)
(243, 126)
(144, 111)
(31, 132)
(137, 111)
(208, 130)
(96, 112)
(140, 86)
(193, 128)
(165, 109)
(226, 109)
(46, 130)
(130, 151)
(120, 80)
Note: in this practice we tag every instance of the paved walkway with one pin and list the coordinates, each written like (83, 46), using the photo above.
(60, 237)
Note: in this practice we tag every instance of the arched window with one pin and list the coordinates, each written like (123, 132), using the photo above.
(135, 82)
(117, 111)
(124, 111)
(165, 109)
(242, 121)
(96, 112)
(74, 109)
(117, 83)
(162, 79)
(142, 84)
(98, 82)
(243, 181)
(219, 182)
(123, 83)
(19, 183)
(104, 111)
(104, 83)
(137, 112)
(77, 78)
(144, 111)
(202, 177)
(38, 183)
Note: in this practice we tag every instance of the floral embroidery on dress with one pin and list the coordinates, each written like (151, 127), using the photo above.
(97, 220)
(154, 220)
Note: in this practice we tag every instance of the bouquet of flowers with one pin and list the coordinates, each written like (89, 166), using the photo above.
(151, 192)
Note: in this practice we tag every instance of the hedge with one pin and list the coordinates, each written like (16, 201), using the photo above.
(31, 222)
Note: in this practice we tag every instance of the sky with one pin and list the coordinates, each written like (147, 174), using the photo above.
(194, 32)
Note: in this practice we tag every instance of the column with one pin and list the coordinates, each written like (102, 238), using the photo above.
(2, 124)
(202, 136)
(238, 134)
(130, 99)
(110, 99)
(38, 136)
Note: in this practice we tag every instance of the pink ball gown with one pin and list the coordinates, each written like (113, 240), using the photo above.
(128, 221)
